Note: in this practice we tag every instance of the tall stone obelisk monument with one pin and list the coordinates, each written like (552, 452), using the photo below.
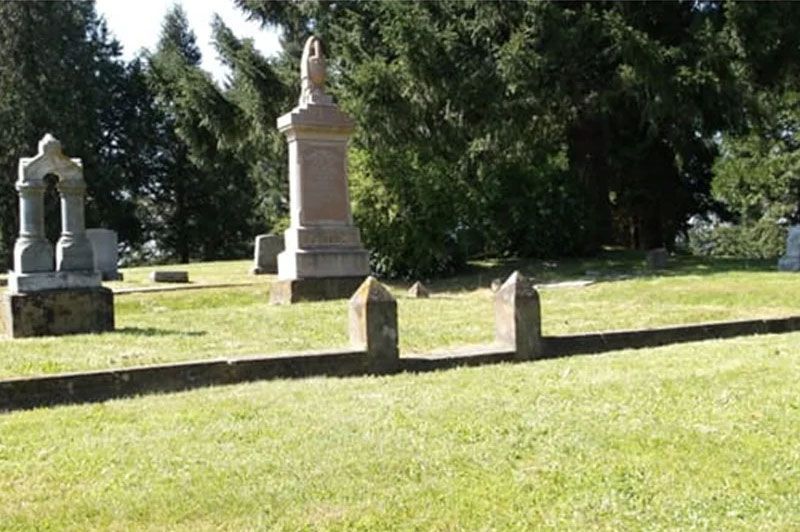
(323, 257)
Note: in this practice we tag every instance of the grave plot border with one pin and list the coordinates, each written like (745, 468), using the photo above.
(374, 339)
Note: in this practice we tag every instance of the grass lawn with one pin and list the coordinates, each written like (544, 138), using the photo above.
(210, 323)
(691, 436)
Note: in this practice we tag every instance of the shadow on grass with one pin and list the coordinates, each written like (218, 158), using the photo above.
(607, 266)
(152, 331)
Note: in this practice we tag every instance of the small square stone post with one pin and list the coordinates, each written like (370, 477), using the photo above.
(518, 317)
(373, 325)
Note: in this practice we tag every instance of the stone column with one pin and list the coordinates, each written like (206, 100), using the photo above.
(74, 250)
(32, 251)
(518, 317)
(373, 325)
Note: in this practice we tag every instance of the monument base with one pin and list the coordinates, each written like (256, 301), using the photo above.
(112, 276)
(24, 283)
(258, 270)
(789, 264)
(286, 292)
(58, 312)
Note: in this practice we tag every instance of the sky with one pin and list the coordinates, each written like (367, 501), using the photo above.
(137, 24)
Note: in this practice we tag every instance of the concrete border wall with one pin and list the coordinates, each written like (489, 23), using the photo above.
(373, 334)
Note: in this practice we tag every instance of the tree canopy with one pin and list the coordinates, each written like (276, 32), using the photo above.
(483, 128)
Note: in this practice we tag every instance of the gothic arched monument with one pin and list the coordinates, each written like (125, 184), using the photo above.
(54, 292)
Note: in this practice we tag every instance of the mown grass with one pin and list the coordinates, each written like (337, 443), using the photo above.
(208, 323)
(691, 436)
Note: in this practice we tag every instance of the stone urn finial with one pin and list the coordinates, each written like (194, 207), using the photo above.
(313, 72)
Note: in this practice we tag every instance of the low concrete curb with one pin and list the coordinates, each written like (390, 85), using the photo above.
(373, 333)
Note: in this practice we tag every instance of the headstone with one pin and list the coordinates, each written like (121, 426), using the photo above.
(54, 293)
(419, 291)
(266, 254)
(518, 317)
(373, 325)
(657, 259)
(169, 276)
(790, 262)
(324, 257)
(106, 253)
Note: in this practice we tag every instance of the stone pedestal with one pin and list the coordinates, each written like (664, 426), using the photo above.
(266, 254)
(106, 254)
(58, 312)
(323, 254)
(283, 292)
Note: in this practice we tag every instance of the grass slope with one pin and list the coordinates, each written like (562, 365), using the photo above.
(173, 326)
(692, 436)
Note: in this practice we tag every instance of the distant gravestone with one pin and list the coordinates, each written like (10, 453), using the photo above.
(266, 254)
(169, 277)
(790, 262)
(104, 245)
(657, 259)
(496, 284)
(419, 291)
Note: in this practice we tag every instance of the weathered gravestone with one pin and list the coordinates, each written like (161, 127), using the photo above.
(266, 254)
(172, 276)
(44, 298)
(106, 255)
(324, 257)
(790, 262)
(657, 259)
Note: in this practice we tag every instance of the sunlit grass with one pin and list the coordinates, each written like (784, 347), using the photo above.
(691, 436)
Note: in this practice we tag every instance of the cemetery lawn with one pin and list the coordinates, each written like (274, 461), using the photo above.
(689, 436)
(162, 327)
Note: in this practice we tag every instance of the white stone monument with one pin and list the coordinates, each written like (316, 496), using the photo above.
(790, 262)
(44, 298)
(323, 257)
(105, 246)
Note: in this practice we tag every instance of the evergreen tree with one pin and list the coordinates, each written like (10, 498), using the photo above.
(60, 73)
(204, 198)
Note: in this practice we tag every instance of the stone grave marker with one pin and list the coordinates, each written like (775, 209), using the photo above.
(54, 293)
(657, 259)
(419, 291)
(324, 257)
(790, 261)
(169, 276)
(106, 254)
(266, 254)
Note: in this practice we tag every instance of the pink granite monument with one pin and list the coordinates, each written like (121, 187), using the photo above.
(323, 256)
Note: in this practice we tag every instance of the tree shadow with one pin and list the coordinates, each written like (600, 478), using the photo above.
(153, 331)
(606, 266)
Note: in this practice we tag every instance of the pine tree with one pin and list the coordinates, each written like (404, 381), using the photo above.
(60, 73)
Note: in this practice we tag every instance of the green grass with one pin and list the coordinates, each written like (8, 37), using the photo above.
(220, 272)
(691, 436)
(197, 324)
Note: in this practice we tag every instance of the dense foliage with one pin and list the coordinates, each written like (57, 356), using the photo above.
(484, 128)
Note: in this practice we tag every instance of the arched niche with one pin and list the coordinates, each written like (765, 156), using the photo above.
(33, 253)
